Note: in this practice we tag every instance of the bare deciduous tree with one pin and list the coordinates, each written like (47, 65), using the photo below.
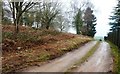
(47, 12)
(61, 23)
(17, 9)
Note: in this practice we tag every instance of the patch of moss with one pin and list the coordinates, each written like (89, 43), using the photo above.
(43, 56)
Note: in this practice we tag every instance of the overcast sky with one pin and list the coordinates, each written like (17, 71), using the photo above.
(103, 9)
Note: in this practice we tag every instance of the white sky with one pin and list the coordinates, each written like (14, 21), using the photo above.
(103, 9)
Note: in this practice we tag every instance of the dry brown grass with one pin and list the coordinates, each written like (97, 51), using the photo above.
(36, 46)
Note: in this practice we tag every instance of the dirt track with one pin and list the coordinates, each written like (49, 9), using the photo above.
(63, 63)
(101, 60)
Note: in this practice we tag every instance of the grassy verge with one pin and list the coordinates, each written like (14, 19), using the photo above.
(83, 59)
(116, 57)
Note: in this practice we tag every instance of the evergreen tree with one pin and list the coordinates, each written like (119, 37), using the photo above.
(114, 36)
(90, 20)
(92, 31)
(78, 21)
(115, 18)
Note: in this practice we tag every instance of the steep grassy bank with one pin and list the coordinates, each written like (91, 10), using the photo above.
(34, 47)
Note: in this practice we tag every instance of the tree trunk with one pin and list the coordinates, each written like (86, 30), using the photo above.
(17, 24)
(47, 27)
(118, 38)
(17, 29)
(78, 29)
